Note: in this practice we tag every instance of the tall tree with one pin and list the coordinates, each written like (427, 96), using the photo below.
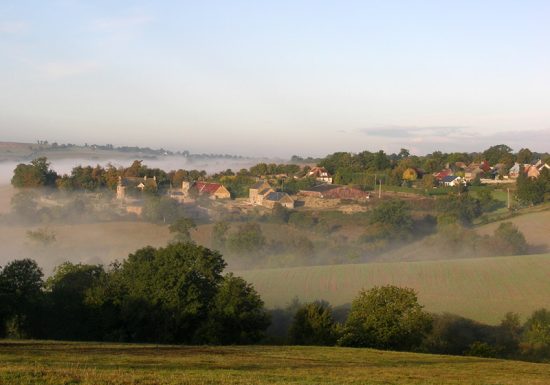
(35, 174)
(21, 285)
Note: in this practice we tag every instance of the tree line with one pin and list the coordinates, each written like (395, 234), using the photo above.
(175, 294)
(179, 294)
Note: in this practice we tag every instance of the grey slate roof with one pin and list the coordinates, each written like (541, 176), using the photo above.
(449, 178)
(275, 196)
(258, 184)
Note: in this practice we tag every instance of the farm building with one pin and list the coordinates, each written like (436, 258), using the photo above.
(262, 194)
(278, 197)
(320, 174)
(443, 174)
(257, 192)
(327, 191)
(452, 180)
(213, 190)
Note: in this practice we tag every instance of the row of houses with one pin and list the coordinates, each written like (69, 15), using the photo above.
(462, 173)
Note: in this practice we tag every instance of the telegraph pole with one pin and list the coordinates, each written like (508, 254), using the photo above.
(508, 198)
(380, 190)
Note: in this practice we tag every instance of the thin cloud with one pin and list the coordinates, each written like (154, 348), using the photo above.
(414, 131)
(58, 70)
(120, 23)
(13, 27)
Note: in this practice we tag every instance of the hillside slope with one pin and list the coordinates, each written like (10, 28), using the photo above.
(535, 226)
(483, 289)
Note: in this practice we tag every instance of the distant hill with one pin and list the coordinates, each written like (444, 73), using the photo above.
(483, 289)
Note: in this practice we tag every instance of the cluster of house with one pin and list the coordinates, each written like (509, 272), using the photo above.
(260, 194)
(460, 173)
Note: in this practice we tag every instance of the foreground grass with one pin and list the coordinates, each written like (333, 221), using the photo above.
(52, 363)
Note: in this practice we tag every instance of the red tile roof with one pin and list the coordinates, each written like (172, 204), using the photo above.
(208, 188)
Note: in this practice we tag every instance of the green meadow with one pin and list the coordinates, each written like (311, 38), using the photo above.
(483, 289)
(53, 363)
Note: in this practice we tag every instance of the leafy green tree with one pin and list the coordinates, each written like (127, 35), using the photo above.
(524, 156)
(24, 204)
(314, 324)
(237, 315)
(529, 190)
(21, 285)
(170, 290)
(395, 218)
(247, 240)
(161, 209)
(509, 335)
(386, 317)
(536, 334)
(219, 235)
(461, 209)
(182, 228)
(68, 290)
(499, 153)
(35, 174)
(508, 240)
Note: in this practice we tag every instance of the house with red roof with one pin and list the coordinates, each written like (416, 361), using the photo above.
(212, 190)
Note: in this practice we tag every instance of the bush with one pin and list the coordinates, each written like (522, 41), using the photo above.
(386, 317)
(508, 240)
(313, 324)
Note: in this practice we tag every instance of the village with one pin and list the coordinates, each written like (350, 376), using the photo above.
(324, 194)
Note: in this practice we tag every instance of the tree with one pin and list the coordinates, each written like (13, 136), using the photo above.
(21, 285)
(68, 290)
(395, 218)
(530, 190)
(313, 324)
(524, 156)
(24, 204)
(509, 335)
(500, 153)
(167, 292)
(182, 229)
(35, 174)
(508, 240)
(461, 209)
(536, 334)
(219, 235)
(247, 240)
(161, 209)
(386, 317)
(237, 315)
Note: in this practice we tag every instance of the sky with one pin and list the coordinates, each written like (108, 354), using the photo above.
(277, 78)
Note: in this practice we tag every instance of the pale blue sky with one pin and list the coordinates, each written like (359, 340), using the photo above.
(277, 77)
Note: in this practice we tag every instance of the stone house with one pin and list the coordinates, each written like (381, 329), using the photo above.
(261, 194)
(320, 174)
(213, 190)
(275, 197)
(258, 191)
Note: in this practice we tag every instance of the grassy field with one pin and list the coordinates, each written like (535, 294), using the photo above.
(483, 289)
(534, 225)
(52, 363)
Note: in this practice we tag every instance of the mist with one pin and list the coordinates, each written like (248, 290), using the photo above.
(166, 163)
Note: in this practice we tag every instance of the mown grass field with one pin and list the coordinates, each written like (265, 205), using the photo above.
(483, 289)
(53, 363)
